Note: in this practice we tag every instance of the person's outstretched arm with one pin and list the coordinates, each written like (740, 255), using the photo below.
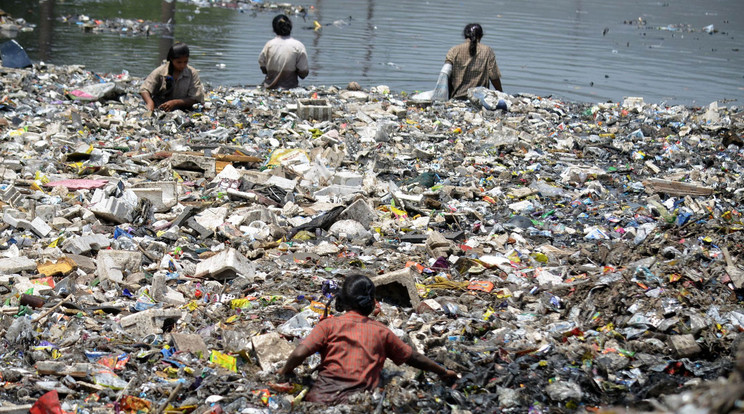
(421, 361)
(148, 100)
(295, 359)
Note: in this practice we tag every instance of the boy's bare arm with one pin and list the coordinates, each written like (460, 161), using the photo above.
(295, 359)
(421, 361)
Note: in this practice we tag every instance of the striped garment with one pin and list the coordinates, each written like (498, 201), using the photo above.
(471, 71)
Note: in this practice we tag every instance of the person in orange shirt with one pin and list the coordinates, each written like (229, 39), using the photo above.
(353, 347)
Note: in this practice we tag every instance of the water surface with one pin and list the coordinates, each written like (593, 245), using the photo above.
(590, 50)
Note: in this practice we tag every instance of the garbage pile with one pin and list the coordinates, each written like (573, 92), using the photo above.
(559, 256)
(120, 26)
(143, 27)
(10, 26)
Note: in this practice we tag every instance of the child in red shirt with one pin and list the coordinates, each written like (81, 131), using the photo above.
(353, 347)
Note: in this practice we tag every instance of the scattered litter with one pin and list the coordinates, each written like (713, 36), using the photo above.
(557, 255)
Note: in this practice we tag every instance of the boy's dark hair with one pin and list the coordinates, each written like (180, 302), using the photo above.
(282, 25)
(357, 293)
(473, 32)
(178, 50)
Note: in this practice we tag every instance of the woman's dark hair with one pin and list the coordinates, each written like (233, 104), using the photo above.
(282, 25)
(357, 293)
(474, 32)
(178, 50)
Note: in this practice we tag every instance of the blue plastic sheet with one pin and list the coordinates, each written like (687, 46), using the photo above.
(13, 55)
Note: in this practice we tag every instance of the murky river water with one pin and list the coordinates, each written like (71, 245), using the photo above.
(590, 50)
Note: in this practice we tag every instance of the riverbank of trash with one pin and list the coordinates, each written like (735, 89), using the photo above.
(562, 257)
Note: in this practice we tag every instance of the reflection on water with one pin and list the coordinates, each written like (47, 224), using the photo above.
(588, 50)
(46, 29)
(168, 20)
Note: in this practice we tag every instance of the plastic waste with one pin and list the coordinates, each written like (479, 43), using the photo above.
(489, 99)
(441, 90)
(95, 92)
(13, 55)
(107, 378)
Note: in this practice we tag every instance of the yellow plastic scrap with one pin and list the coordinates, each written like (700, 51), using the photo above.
(56, 241)
(171, 372)
(444, 283)
(514, 257)
(35, 186)
(283, 156)
(77, 166)
(232, 319)
(422, 289)
(63, 266)
(503, 293)
(398, 212)
(607, 328)
(225, 361)
(240, 303)
(317, 307)
(540, 257)
(18, 132)
(299, 396)
(181, 409)
(41, 177)
(303, 235)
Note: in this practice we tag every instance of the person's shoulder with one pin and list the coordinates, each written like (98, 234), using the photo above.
(273, 40)
(160, 70)
(378, 324)
(459, 48)
(332, 320)
(295, 42)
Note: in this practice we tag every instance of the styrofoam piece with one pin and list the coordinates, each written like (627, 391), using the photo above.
(399, 286)
(84, 244)
(227, 264)
(40, 227)
(113, 264)
(162, 194)
(13, 265)
(317, 109)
